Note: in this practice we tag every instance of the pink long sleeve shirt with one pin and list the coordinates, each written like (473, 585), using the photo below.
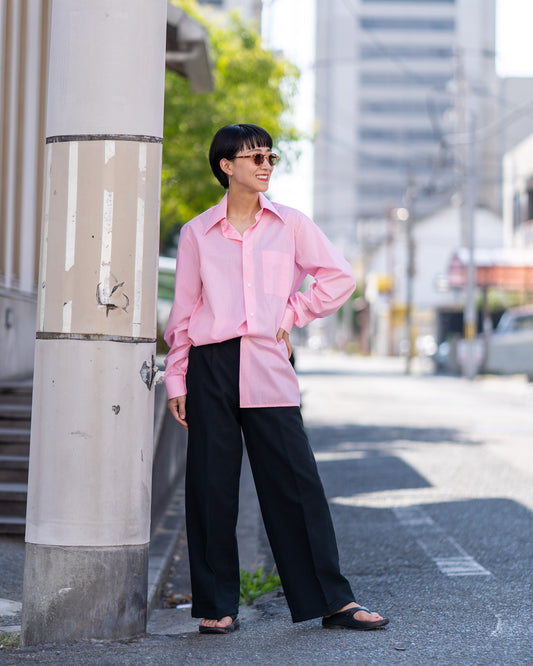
(229, 286)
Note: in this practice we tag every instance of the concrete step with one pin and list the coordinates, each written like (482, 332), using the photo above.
(14, 412)
(15, 448)
(13, 468)
(19, 433)
(16, 424)
(15, 418)
(13, 498)
(12, 525)
(22, 385)
(14, 435)
(16, 394)
(15, 441)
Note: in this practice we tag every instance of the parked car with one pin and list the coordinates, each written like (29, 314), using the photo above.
(510, 346)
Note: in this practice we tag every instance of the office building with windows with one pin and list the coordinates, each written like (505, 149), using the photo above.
(398, 85)
(250, 10)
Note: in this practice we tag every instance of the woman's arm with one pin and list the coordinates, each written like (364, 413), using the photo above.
(334, 279)
(187, 293)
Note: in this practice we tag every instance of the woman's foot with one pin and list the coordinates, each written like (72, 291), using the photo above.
(225, 625)
(361, 618)
(362, 614)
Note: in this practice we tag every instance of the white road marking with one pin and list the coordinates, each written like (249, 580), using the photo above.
(8, 607)
(460, 566)
(333, 456)
(448, 555)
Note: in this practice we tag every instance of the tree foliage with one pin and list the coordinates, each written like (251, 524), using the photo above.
(251, 85)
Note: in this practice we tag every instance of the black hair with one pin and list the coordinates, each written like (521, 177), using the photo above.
(229, 140)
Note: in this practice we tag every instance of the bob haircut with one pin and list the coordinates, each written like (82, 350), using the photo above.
(231, 139)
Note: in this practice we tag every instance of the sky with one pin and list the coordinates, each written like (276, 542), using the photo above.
(279, 19)
(514, 45)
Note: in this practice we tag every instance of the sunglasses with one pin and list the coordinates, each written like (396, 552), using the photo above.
(259, 158)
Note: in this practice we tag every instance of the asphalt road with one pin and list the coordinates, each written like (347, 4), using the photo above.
(431, 490)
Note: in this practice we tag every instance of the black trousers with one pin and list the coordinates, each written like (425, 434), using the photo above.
(293, 505)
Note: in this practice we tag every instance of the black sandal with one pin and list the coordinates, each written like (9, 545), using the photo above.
(221, 630)
(345, 620)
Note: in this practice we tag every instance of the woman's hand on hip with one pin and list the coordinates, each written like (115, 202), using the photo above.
(177, 409)
(283, 335)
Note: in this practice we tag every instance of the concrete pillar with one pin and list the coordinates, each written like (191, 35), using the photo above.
(88, 517)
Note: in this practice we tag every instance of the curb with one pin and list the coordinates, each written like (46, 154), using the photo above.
(163, 545)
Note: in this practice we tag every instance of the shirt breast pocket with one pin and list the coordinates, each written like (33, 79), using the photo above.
(277, 273)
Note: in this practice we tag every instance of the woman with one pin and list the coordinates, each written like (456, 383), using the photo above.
(228, 375)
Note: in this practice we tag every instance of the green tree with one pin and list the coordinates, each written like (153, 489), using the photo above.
(251, 85)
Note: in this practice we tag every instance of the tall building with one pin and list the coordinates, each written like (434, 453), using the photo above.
(250, 10)
(400, 84)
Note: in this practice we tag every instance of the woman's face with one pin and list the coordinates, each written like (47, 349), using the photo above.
(247, 171)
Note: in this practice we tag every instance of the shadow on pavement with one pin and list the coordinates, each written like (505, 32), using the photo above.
(354, 436)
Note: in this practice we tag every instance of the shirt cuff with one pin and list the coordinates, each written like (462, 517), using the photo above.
(175, 385)
(288, 321)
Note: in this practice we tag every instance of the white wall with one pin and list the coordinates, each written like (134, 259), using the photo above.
(436, 239)
(518, 170)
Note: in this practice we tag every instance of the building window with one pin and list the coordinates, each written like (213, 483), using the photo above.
(427, 52)
(517, 210)
(399, 23)
(421, 164)
(397, 80)
(399, 106)
(396, 136)
(427, 2)
(530, 200)
(372, 190)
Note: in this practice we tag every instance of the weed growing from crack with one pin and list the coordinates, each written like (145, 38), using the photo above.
(254, 585)
(9, 640)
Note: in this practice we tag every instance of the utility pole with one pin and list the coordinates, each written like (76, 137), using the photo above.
(390, 217)
(470, 315)
(409, 218)
(88, 516)
(465, 126)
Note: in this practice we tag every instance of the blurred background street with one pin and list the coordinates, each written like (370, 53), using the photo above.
(406, 133)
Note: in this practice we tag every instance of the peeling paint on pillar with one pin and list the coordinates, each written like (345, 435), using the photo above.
(150, 373)
(103, 227)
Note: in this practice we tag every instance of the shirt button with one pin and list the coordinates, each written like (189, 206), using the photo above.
(249, 284)
(251, 314)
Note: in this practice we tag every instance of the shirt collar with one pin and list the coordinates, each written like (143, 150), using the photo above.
(266, 203)
(218, 213)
